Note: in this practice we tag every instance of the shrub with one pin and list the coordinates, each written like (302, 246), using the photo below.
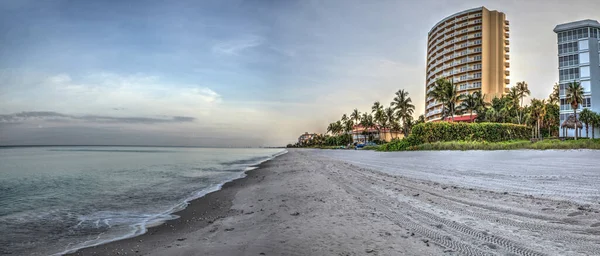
(445, 131)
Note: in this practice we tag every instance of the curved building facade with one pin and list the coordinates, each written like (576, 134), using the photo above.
(471, 48)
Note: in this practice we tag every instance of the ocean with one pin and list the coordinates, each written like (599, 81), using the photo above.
(54, 200)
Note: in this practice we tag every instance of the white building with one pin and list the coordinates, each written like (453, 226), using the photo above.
(579, 60)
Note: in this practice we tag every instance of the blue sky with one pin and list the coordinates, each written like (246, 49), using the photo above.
(245, 72)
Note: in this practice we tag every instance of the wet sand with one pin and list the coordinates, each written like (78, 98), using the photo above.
(306, 203)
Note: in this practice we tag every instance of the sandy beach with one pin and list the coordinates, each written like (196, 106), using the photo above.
(309, 203)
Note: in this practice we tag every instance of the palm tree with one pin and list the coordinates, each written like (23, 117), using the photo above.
(407, 125)
(402, 104)
(380, 119)
(330, 128)
(575, 98)
(595, 123)
(355, 116)
(587, 117)
(523, 90)
(554, 96)
(389, 114)
(376, 107)
(446, 93)
(438, 93)
(469, 103)
(367, 123)
(344, 119)
(538, 111)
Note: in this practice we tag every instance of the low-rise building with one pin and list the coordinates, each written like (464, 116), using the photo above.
(362, 135)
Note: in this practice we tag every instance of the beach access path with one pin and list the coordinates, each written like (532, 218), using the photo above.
(307, 202)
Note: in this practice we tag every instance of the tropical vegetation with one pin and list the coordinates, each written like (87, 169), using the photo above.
(495, 119)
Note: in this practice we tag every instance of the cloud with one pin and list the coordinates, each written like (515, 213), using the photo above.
(21, 117)
(235, 47)
(104, 93)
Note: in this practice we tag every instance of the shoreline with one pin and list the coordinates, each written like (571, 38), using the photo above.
(205, 209)
(312, 202)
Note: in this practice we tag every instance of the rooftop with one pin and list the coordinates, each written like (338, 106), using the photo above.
(577, 24)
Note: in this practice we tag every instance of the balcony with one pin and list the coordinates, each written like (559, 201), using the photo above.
(507, 72)
(506, 42)
(507, 81)
(507, 64)
(506, 29)
(506, 22)
(506, 35)
(506, 49)
(506, 56)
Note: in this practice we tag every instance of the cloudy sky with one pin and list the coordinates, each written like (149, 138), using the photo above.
(231, 72)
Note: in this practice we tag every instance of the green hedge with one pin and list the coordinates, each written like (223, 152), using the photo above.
(445, 131)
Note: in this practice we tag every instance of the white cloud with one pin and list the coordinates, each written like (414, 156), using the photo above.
(139, 94)
(236, 46)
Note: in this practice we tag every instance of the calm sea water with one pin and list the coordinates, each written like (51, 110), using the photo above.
(57, 199)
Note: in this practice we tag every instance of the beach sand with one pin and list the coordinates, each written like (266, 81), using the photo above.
(303, 203)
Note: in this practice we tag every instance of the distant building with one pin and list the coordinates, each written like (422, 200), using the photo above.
(471, 49)
(306, 137)
(361, 135)
(579, 60)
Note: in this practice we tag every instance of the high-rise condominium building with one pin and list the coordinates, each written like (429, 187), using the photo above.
(470, 48)
(579, 60)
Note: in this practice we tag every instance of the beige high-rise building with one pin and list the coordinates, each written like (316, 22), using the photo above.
(472, 49)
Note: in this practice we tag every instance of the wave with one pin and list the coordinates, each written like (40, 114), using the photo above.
(146, 221)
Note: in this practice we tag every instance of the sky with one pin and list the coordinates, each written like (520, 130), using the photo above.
(232, 73)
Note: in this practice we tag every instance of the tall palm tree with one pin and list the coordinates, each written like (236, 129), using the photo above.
(367, 122)
(575, 98)
(538, 111)
(469, 103)
(523, 90)
(587, 117)
(402, 104)
(514, 96)
(595, 123)
(376, 107)
(355, 116)
(389, 114)
(344, 119)
(438, 93)
(445, 92)
(330, 128)
(554, 97)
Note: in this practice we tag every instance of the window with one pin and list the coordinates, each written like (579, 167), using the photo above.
(477, 27)
(477, 85)
(584, 57)
(583, 45)
(585, 71)
(568, 48)
(569, 60)
(587, 102)
(477, 75)
(476, 42)
(569, 74)
(478, 49)
(586, 86)
(478, 57)
(477, 66)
